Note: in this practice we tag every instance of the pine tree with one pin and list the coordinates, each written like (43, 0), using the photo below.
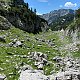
(27, 5)
(35, 11)
(78, 12)
(31, 9)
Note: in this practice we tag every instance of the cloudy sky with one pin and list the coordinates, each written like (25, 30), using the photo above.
(45, 6)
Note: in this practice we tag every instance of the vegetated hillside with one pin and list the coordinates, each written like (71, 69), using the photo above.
(62, 22)
(69, 21)
(75, 24)
(21, 16)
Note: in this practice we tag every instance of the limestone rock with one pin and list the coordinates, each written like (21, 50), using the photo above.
(40, 59)
(57, 59)
(2, 77)
(2, 39)
(16, 43)
(32, 75)
(68, 75)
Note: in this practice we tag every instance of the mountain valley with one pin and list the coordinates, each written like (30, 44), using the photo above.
(32, 48)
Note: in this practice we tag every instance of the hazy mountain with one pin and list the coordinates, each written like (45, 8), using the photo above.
(54, 15)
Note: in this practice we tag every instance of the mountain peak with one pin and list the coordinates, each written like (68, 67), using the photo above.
(53, 15)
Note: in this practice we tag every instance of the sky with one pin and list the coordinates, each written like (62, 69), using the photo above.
(45, 6)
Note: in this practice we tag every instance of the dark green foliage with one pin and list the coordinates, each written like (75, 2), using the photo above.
(31, 9)
(27, 5)
(69, 20)
(35, 11)
(78, 13)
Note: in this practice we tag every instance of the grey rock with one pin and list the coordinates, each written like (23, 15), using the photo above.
(2, 77)
(32, 75)
(26, 67)
(40, 66)
(57, 59)
(16, 43)
(68, 75)
(2, 39)
(40, 59)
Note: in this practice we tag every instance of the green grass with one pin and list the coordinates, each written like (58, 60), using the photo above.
(8, 60)
(76, 54)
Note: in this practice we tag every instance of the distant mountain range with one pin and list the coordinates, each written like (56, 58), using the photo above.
(59, 19)
(54, 15)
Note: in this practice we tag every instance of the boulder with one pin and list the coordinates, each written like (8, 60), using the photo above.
(26, 67)
(2, 77)
(57, 59)
(37, 55)
(68, 75)
(2, 39)
(40, 59)
(32, 75)
(40, 66)
(16, 43)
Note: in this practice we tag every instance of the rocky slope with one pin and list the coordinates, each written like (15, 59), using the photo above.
(67, 62)
(51, 55)
(19, 15)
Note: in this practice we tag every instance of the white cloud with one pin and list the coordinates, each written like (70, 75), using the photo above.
(70, 4)
(38, 13)
(43, 0)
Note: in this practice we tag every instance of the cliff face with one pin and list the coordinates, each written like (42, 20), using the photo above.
(19, 15)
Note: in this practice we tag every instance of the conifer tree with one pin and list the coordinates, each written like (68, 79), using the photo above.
(78, 12)
(31, 9)
(35, 11)
(27, 5)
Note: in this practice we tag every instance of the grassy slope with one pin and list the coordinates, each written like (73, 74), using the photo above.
(8, 60)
